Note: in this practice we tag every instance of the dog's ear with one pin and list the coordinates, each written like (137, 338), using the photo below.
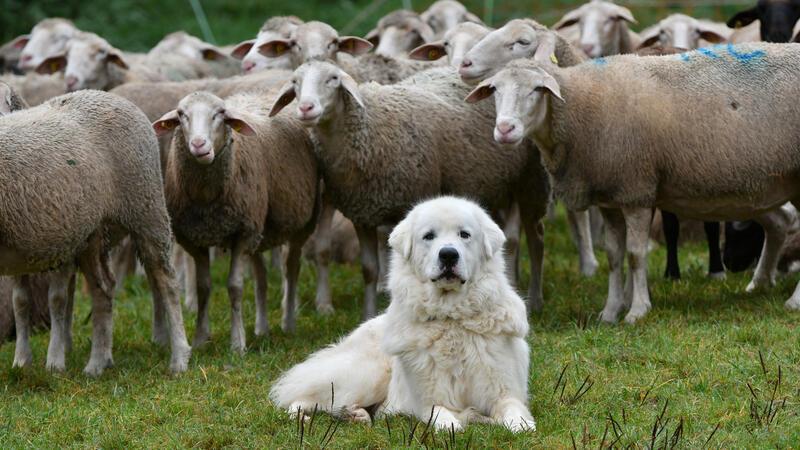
(493, 236)
(401, 238)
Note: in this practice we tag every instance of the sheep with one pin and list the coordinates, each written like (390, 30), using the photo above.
(443, 15)
(682, 31)
(47, 39)
(777, 19)
(9, 55)
(10, 100)
(383, 148)
(399, 32)
(217, 63)
(454, 44)
(247, 195)
(526, 38)
(603, 28)
(700, 163)
(280, 27)
(747, 33)
(93, 160)
(34, 88)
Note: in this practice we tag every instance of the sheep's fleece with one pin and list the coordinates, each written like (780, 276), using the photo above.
(451, 346)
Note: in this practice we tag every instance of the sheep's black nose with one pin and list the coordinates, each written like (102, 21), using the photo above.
(448, 256)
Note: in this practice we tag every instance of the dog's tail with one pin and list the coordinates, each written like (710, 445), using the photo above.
(352, 372)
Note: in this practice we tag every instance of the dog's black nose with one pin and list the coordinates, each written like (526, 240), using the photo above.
(448, 256)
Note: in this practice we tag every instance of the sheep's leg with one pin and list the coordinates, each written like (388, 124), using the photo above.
(184, 267)
(597, 221)
(637, 222)
(368, 240)
(534, 229)
(202, 278)
(672, 229)
(21, 298)
(580, 225)
(70, 306)
(322, 251)
(291, 272)
(715, 268)
(160, 328)
(513, 414)
(383, 258)
(58, 301)
(94, 265)
(235, 289)
(260, 275)
(512, 229)
(615, 251)
(776, 224)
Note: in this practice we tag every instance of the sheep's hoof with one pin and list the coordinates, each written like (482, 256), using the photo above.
(756, 284)
(357, 414)
(325, 309)
(590, 268)
(56, 364)
(179, 362)
(23, 360)
(609, 317)
(793, 304)
(635, 314)
(717, 275)
(95, 368)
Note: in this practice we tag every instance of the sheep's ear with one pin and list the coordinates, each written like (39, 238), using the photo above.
(374, 37)
(236, 121)
(569, 19)
(796, 38)
(243, 49)
(469, 17)
(483, 91)
(493, 236)
(743, 18)
(650, 39)
(351, 87)
(712, 36)
(546, 50)
(286, 96)
(275, 48)
(401, 238)
(624, 13)
(20, 42)
(428, 52)
(52, 65)
(166, 123)
(354, 45)
(116, 58)
(550, 85)
(212, 54)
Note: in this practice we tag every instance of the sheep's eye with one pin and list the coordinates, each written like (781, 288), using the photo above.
(524, 42)
(464, 235)
(446, 44)
(334, 79)
(429, 236)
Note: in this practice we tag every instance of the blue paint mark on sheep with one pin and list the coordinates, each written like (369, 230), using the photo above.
(600, 61)
(745, 57)
(708, 51)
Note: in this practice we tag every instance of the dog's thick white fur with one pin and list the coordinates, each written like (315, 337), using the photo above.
(451, 345)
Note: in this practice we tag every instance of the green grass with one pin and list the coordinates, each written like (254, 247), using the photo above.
(692, 362)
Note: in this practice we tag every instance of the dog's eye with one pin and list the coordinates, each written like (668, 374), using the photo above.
(429, 236)
(464, 235)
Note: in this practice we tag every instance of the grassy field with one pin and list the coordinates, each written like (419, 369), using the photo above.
(710, 366)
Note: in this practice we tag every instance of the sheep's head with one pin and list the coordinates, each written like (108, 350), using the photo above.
(205, 123)
(682, 31)
(10, 101)
(518, 39)
(522, 93)
(86, 64)
(600, 23)
(320, 88)
(399, 32)
(455, 44)
(444, 15)
(777, 18)
(184, 44)
(276, 28)
(47, 39)
(314, 41)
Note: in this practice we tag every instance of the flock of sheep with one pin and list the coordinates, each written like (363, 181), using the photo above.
(198, 144)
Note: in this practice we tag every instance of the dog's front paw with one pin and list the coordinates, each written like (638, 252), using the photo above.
(446, 420)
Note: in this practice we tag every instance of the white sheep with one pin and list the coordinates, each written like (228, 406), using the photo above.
(443, 15)
(280, 27)
(603, 28)
(684, 32)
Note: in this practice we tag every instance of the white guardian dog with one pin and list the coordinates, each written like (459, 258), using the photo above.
(450, 348)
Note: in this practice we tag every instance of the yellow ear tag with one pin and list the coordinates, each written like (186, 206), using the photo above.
(433, 54)
(167, 125)
(54, 67)
(553, 58)
(279, 49)
(350, 45)
(237, 126)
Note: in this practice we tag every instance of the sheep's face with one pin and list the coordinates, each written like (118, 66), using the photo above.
(444, 15)
(47, 39)
(456, 43)
(88, 64)
(516, 40)
(186, 45)
(204, 123)
(252, 59)
(314, 41)
(681, 31)
(398, 33)
(522, 99)
(600, 24)
(320, 88)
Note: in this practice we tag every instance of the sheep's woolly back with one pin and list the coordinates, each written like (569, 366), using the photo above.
(635, 123)
(419, 139)
(80, 164)
(34, 88)
(383, 69)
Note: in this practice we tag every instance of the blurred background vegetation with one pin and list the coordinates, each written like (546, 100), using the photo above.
(137, 25)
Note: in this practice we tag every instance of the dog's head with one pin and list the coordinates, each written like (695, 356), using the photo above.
(447, 241)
